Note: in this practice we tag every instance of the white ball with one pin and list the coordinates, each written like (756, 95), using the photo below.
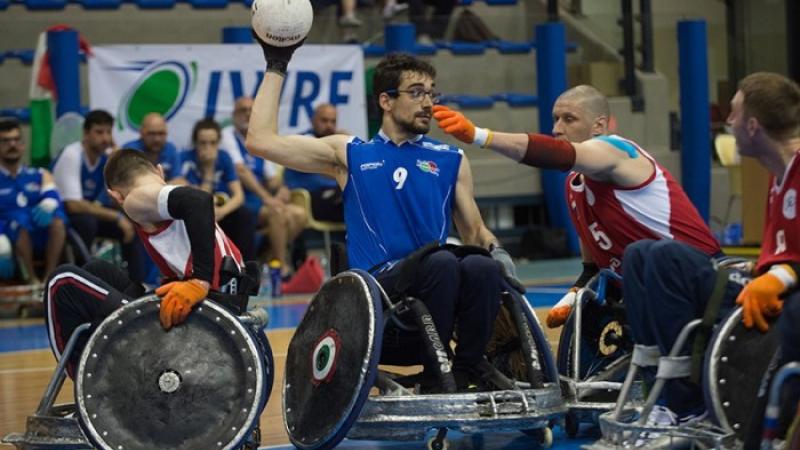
(282, 22)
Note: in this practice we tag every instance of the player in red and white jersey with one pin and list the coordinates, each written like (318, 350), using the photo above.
(178, 229)
(617, 193)
(667, 283)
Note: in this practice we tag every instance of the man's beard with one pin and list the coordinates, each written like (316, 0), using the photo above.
(11, 160)
(413, 128)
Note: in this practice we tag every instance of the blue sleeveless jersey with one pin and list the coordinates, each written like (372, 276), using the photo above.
(397, 199)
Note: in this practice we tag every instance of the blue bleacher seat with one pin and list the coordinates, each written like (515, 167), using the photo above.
(208, 4)
(45, 4)
(373, 50)
(425, 49)
(501, 2)
(516, 100)
(21, 114)
(24, 55)
(155, 4)
(4, 4)
(99, 4)
(463, 48)
(510, 47)
(469, 101)
(2, 57)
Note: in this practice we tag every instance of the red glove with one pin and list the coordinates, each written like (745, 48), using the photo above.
(759, 299)
(178, 299)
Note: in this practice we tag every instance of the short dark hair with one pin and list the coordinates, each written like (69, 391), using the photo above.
(205, 124)
(9, 123)
(774, 101)
(390, 69)
(97, 117)
(124, 165)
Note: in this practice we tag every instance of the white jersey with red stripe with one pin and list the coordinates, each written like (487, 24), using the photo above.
(171, 250)
(781, 242)
(608, 217)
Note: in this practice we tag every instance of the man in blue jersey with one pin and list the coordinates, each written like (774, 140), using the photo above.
(400, 191)
(266, 197)
(78, 172)
(31, 216)
(153, 142)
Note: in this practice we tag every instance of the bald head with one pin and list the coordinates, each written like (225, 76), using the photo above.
(241, 114)
(153, 133)
(580, 113)
(324, 120)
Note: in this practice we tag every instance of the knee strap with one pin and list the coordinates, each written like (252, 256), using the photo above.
(645, 355)
(703, 332)
(674, 367)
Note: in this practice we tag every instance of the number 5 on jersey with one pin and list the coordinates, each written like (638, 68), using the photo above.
(400, 175)
(602, 239)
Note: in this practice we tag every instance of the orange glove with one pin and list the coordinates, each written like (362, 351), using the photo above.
(559, 313)
(759, 298)
(456, 124)
(178, 299)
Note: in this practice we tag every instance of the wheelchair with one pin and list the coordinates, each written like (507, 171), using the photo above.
(593, 357)
(734, 364)
(332, 366)
(139, 387)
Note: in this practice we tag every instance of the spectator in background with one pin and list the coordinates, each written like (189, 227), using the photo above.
(260, 179)
(326, 197)
(78, 172)
(212, 170)
(31, 216)
(153, 142)
(433, 28)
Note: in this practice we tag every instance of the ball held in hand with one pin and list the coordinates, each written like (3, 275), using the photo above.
(282, 23)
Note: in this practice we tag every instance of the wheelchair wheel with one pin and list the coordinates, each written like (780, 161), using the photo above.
(604, 348)
(543, 436)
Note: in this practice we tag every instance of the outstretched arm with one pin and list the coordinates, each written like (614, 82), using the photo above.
(304, 153)
(592, 157)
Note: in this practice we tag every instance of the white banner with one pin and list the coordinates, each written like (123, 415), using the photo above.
(188, 82)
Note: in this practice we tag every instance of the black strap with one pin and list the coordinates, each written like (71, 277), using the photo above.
(703, 334)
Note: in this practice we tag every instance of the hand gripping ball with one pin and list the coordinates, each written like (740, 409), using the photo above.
(282, 22)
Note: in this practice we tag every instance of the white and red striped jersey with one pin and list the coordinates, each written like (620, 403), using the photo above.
(170, 248)
(781, 243)
(608, 217)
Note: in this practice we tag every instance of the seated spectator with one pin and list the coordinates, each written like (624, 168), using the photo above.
(266, 197)
(153, 142)
(435, 27)
(211, 170)
(78, 172)
(31, 216)
(326, 197)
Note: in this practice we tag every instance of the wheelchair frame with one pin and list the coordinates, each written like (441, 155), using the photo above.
(56, 427)
(398, 413)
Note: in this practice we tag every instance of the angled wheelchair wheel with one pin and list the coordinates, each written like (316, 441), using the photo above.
(735, 364)
(605, 348)
(140, 387)
(332, 361)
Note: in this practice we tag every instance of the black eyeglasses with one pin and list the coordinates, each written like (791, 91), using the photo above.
(417, 94)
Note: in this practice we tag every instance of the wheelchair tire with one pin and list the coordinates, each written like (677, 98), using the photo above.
(599, 361)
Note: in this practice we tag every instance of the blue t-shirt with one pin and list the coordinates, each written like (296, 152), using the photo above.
(294, 179)
(19, 194)
(168, 158)
(397, 198)
(224, 172)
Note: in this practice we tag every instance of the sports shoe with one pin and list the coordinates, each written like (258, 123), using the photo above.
(349, 21)
(393, 9)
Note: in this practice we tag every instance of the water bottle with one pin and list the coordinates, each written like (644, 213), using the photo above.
(275, 277)
(265, 285)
